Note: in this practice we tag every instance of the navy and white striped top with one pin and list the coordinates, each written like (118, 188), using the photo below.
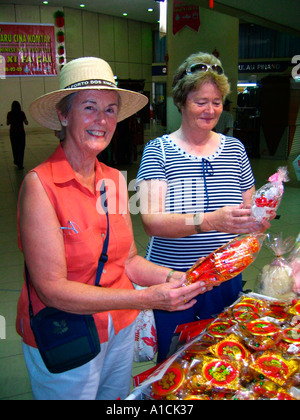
(194, 184)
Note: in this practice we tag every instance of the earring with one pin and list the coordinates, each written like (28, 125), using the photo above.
(64, 123)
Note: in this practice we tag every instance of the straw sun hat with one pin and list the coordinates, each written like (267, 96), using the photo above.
(81, 74)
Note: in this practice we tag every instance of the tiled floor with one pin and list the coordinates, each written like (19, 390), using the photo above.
(14, 382)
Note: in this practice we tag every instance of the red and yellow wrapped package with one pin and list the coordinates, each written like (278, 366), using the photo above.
(269, 390)
(227, 261)
(295, 310)
(221, 374)
(290, 343)
(260, 334)
(275, 367)
(230, 348)
(214, 374)
(171, 382)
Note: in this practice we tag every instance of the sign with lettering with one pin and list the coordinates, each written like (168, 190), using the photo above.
(185, 14)
(27, 49)
(264, 67)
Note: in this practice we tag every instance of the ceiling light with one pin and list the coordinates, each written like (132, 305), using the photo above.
(163, 18)
(82, 5)
(45, 2)
(124, 14)
(150, 10)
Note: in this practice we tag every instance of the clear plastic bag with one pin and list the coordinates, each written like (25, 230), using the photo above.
(276, 279)
(267, 198)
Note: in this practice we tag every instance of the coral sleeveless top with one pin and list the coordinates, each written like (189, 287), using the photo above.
(81, 212)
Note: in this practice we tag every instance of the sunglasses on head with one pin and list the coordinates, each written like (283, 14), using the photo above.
(203, 67)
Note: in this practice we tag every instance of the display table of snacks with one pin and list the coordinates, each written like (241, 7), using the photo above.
(250, 352)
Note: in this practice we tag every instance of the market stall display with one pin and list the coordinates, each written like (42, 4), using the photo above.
(250, 352)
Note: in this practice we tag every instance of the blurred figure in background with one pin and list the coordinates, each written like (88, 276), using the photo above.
(225, 123)
(16, 118)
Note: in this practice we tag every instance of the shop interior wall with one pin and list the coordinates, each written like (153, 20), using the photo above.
(125, 44)
(217, 31)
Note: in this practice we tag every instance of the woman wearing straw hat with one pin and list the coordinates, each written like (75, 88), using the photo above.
(63, 227)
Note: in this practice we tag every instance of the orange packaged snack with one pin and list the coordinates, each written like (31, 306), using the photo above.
(227, 261)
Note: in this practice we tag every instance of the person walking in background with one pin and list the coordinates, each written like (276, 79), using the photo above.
(16, 118)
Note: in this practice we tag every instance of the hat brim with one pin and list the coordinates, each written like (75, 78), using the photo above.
(43, 109)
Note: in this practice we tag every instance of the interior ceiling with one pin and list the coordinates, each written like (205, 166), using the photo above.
(282, 15)
(278, 14)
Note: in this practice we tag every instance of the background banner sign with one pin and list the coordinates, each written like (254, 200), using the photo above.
(185, 15)
(27, 49)
(264, 66)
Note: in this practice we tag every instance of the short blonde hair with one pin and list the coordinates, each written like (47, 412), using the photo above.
(184, 83)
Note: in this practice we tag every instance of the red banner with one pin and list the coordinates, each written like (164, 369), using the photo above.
(185, 15)
(27, 49)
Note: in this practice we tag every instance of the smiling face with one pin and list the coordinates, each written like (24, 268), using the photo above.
(92, 120)
(202, 108)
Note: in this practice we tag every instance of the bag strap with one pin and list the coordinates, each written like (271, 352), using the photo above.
(103, 257)
(28, 290)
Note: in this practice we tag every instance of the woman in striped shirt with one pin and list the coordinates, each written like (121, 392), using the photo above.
(195, 188)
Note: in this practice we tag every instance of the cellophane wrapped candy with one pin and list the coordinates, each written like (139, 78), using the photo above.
(267, 198)
(277, 279)
(250, 352)
(227, 261)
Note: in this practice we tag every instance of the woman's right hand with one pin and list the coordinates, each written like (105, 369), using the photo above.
(174, 296)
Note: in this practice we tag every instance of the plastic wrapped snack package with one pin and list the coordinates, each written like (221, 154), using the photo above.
(227, 261)
(267, 198)
(277, 279)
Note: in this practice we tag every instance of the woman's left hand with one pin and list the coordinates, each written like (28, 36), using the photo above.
(179, 275)
(174, 295)
(264, 224)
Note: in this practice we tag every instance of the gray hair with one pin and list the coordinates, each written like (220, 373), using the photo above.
(64, 106)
